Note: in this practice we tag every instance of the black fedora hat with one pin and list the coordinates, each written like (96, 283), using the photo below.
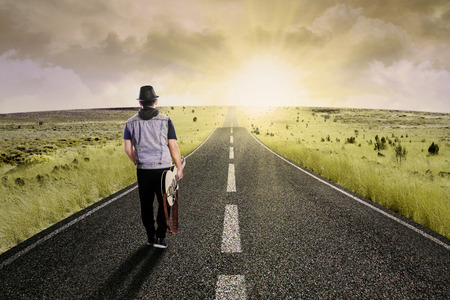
(147, 93)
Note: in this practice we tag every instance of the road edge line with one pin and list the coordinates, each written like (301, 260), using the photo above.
(62, 228)
(417, 230)
(51, 234)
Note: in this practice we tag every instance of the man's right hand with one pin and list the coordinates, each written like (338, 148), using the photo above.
(176, 156)
(179, 174)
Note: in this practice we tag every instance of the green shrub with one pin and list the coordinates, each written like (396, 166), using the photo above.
(433, 149)
(351, 140)
(380, 144)
(400, 153)
(19, 181)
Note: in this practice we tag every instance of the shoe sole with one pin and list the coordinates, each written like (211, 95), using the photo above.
(159, 246)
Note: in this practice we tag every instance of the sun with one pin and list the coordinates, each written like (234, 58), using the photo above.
(265, 81)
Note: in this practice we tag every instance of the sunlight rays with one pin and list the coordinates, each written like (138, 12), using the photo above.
(265, 81)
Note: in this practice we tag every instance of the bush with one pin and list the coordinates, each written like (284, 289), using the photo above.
(351, 140)
(195, 119)
(20, 182)
(433, 149)
(400, 153)
(380, 144)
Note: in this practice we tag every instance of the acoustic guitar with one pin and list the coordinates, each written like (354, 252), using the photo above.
(169, 190)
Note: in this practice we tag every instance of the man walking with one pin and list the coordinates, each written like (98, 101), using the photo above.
(151, 144)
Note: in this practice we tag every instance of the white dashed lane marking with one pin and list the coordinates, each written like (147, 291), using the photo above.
(231, 286)
(231, 185)
(231, 239)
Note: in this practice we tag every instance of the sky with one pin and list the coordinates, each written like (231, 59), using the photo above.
(381, 54)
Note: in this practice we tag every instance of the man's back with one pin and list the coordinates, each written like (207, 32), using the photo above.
(150, 140)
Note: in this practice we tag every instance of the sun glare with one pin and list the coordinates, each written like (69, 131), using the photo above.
(265, 81)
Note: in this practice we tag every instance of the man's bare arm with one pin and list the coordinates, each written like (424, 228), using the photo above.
(130, 151)
(176, 156)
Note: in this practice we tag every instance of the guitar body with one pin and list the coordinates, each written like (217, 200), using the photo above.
(169, 184)
(169, 190)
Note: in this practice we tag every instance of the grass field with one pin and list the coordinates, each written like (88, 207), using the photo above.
(357, 149)
(53, 164)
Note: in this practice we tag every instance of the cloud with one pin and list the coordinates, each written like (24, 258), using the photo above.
(421, 86)
(402, 85)
(22, 39)
(374, 39)
(28, 85)
(109, 60)
(105, 49)
(336, 20)
(357, 39)
(186, 48)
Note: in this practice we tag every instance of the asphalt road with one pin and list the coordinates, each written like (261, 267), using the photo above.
(288, 235)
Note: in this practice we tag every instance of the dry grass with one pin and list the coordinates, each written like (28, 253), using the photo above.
(316, 139)
(42, 188)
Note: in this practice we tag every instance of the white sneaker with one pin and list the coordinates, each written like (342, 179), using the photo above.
(160, 243)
